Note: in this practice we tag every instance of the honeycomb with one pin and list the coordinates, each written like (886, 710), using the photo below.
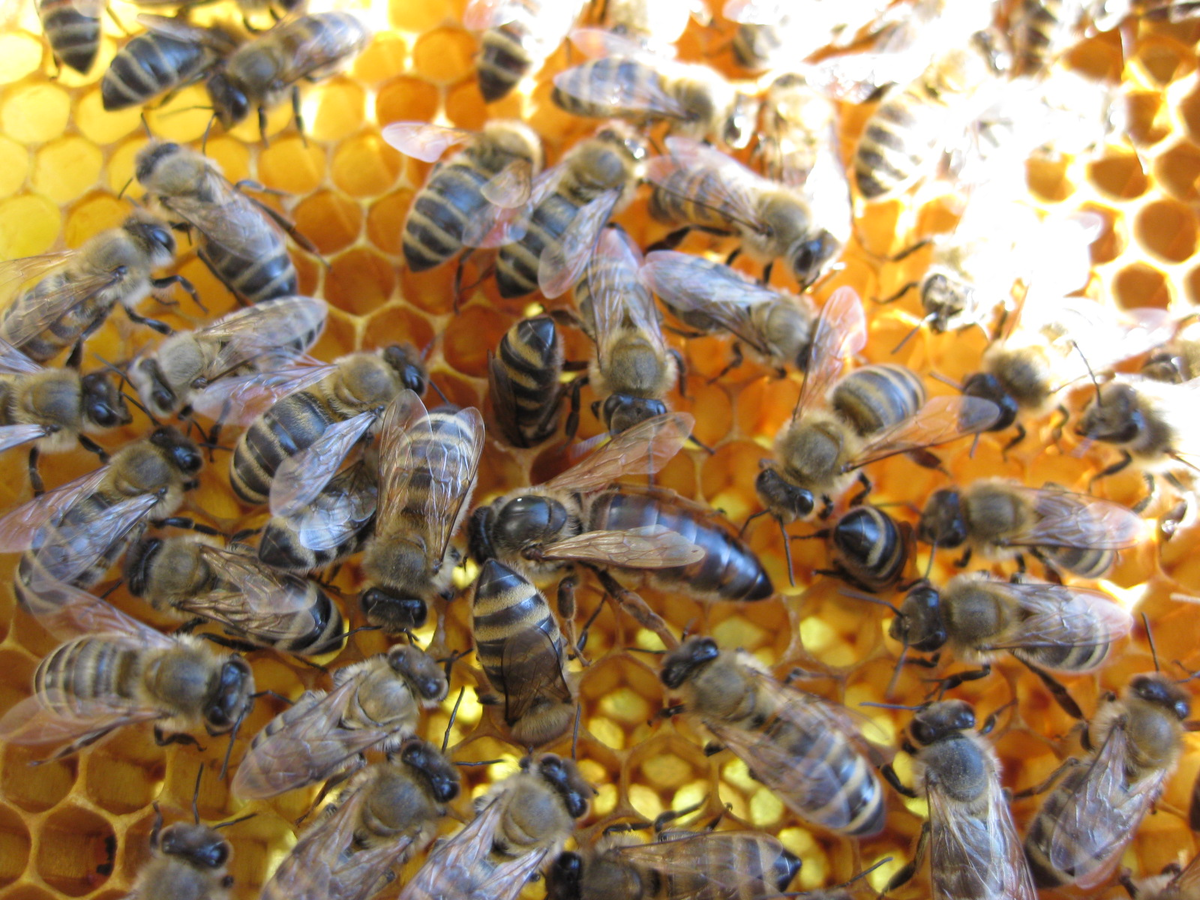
(79, 827)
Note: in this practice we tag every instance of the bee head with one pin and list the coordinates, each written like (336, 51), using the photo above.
(406, 362)
(179, 449)
(229, 100)
(941, 721)
(197, 845)
(392, 612)
(942, 521)
(1113, 416)
(1158, 691)
(153, 235)
(810, 256)
(919, 623)
(231, 696)
(988, 387)
(103, 403)
(431, 765)
(622, 411)
(419, 670)
(564, 880)
(563, 775)
(784, 500)
(943, 300)
(682, 663)
(139, 559)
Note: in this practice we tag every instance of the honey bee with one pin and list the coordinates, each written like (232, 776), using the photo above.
(678, 865)
(579, 517)
(1179, 359)
(1076, 533)
(772, 34)
(806, 749)
(72, 28)
(1041, 30)
(974, 853)
(330, 407)
(869, 548)
(53, 408)
(701, 187)
(632, 368)
(710, 297)
(626, 82)
(461, 202)
(74, 533)
(187, 578)
(386, 815)
(77, 289)
(262, 71)
(332, 526)
(243, 239)
(1048, 627)
(518, 36)
(569, 206)
(522, 653)
(539, 805)
(170, 55)
(1174, 883)
(524, 381)
(114, 671)
(373, 703)
(428, 464)
(255, 339)
(839, 426)
(1133, 743)
(186, 860)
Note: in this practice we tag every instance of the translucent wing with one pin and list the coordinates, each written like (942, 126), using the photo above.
(271, 329)
(940, 420)
(317, 54)
(66, 551)
(454, 868)
(976, 855)
(480, 15)
(29, 722)
(644, 448)
(25, 320)
(16, 435)
(311, 746)
(340, 511)
(699, 863)
(840, 332)
(644, 94)
(1078, 520)
(14, 362)
(19, 527)
(1189, 879)
(510, 188)
(302, 476)
(651, 547)
(1102, 794)
(424, 140)
(243, 399)
(1057, 615)
(731, 194)
(67, 613)
(561, 264)
(226, 217)
(179, 30)
(504, 225)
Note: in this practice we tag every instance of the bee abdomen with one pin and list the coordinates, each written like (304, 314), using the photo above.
(895, 146)
(609, 85)
(266, 277)
(503, 60)
(288, 427)
(1065, 658)
(74, 37)
(1044, 833)
(869, 548)
(82, 670)
(507, 607)
(1086, 562)
(530, 356)
(148, 65)
(690, 197)
(434, 229)
(1037, 31)
(754, 45)
(517, 263)
(877, 397)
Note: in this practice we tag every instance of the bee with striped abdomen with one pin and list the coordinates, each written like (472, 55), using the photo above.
(187, 578)
(524, 381)
(569, 206)
(1133, 744)
(522, 653)
(974, 852)
(373, 703)
(518, 36)
(869, 548)
(467, 194)
(187, 859)
(72, 29)
(170, 55)
(1076, 533)
(806, 749)
(428, 465)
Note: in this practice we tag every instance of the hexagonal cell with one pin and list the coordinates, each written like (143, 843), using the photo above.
(1167, 229)
(328, 220)
(30, 892)
(29, 225)
(124, 774)
(334, 110)
(75, 850)
(406, 100)
(470, 336)
(35, 113)
(287, 165)
(14, 845)
(444, 55)
(1120, 177)
(1165, 60)
(1141, 285)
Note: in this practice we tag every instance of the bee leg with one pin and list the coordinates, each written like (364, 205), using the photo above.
(712, 749)
(262, 127)
(909, 251)
(857, 499)
(1125, 879)
(1056, 432)
(92, 447)
(636, 607)
(965, 559)
(35, 477)
(296, 114)
(1016, 439)
(738, 359)
(190, 625)
(681, 370)
(671, 241)
(1123, 463)
(904, 875)
(566, 612)
(276, 216)
(573, 413)
(890, 776)
(1068, 763)
(892, 298)
(766, 273)
(188, 525)
(161, 284)
(138, 319)
(163, 739)
(950, 682)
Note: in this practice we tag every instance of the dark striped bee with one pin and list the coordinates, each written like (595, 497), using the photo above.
(255, 339)
(261, 72)
(1042, 30)
(806, 749)
(524, 381)
(373, 703)
(841, 425)
(243, 239)
(182, 576)
(428, 465)
(701, 187)
(72, 29)
(74, 533)
(54, 408)
(626, 82)
(330, 407)
(170, 55)
(76, 289)
(710, 297)
(522, 653)
(580, 517)
(974, 851)
(632, 368)
(1133, 744)
(677, 865)
(114, 671)
(569, 206)
(1076, 533)
(1174, 883)
(386, 815)
(870, 549)
(518, 36)
(463, 201)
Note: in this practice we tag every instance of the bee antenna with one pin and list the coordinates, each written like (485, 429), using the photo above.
(750, 518)
(437, 390)
(891, 686)
(453, 716)
(865, 872)
(1150, 641)
(932, 551)
(231, 822)
(859, 595)
(1091, 374)
(893, 706)
(233, 737)
(207, 130)
(450, 660)
(196, 796)
(124, 188)
(146, 126)
(908, 337)
(944, 379)
(787, 552)
(575, 730)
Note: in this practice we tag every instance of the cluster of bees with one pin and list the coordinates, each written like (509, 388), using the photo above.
(353, 467)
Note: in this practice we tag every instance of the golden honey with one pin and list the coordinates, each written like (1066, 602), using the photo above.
(79, 827)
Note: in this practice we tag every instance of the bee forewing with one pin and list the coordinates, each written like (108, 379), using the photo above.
(509, 878)
(510, 188)
(840, 332)
(423, 140)
(67, 613)
(1080, 520)
(19, 527)
(30, 319)
(271, 329)
(596, 43)
(691, 854)
(450, 869)
(14, 362)
(480, 15)
(262, 593)
(940, 420)
(651, 547)
(327, 524)
(29, 722)
(176, 29)
(16, 435)
(243, 399)
(302, 476)
(1058, 615)
(561, 265)
(645, 448)
(67, 551)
